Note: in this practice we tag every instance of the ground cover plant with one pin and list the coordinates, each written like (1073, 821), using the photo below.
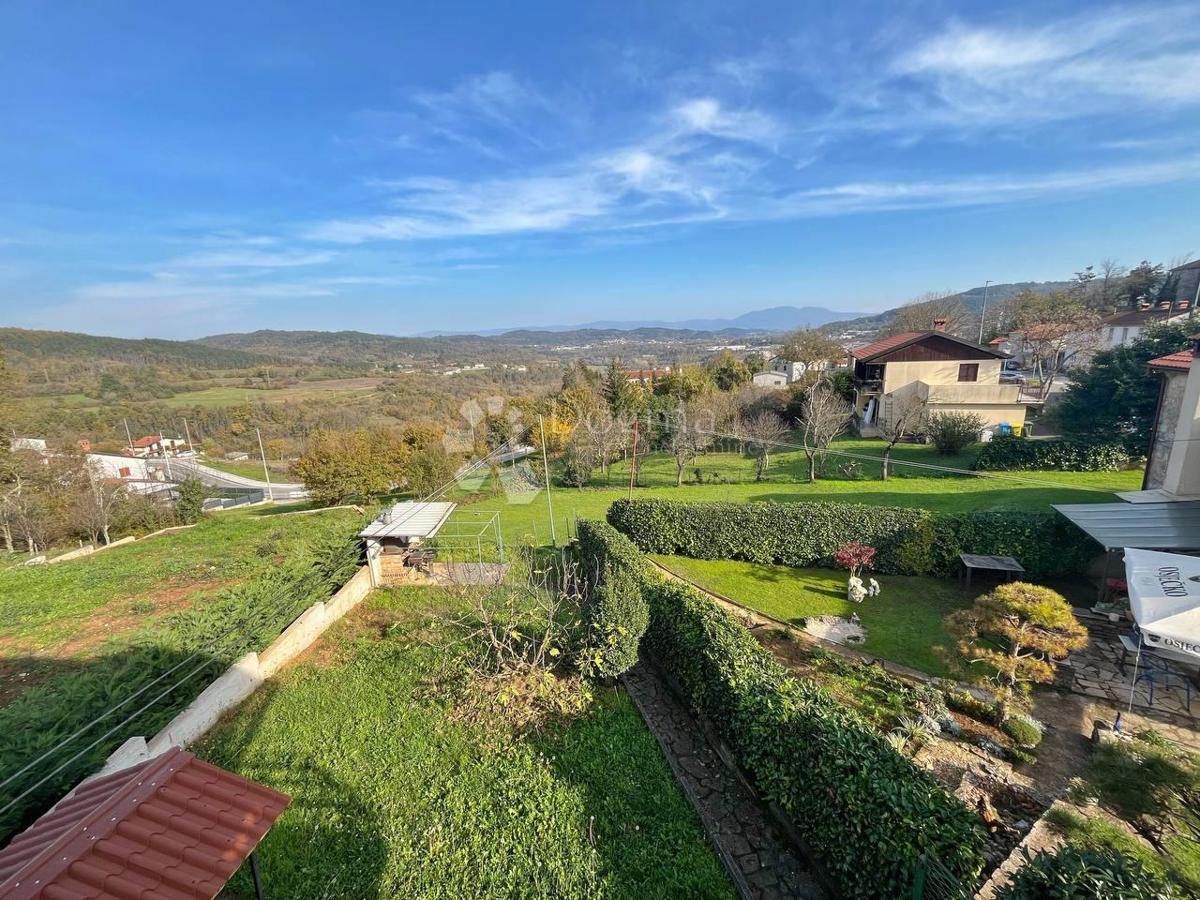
(152, 670)
(412, 776)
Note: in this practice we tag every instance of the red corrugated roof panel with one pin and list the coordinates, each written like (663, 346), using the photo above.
(173, 827)
(1181, 361)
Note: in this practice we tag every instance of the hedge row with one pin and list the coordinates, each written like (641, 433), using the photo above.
(865, 810)
(909, 541)
(789, 534)
(614, 612)
(1010, 454)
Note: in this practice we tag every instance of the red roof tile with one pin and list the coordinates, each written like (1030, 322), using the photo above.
(148, 441)
(173, 827)
(887, 343)
(1181, 361)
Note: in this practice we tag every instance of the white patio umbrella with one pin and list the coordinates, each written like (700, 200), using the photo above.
(1164, 594)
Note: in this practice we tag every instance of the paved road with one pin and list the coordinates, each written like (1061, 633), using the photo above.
(216, 478)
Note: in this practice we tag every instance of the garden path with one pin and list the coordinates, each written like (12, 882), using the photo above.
(760, 860)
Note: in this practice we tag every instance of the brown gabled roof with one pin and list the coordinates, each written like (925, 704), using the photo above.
(1181, 361)
(896, 341)
(148, 441)
(172, 827)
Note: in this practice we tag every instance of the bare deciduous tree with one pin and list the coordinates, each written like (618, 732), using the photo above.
(690, 432)
(98, 500)
(762, 432)
(919, 315)
(905, 419)
(824, 415)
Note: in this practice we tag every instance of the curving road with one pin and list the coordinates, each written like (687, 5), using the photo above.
(216, 478)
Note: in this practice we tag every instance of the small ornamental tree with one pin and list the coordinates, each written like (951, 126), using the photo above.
(855, 556)
(1011, 638)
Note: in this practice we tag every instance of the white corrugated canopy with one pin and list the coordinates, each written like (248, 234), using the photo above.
(410, 519)
(1147, 526)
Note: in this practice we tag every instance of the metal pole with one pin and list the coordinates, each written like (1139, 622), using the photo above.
(128, 436)
(166, 458)
(633, 465)
(266, 471)
(187, 431)
(499, 535)
(546, 468)
(254, 874)
(983, 312)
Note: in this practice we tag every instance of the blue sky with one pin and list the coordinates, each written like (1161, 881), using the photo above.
(180, 169)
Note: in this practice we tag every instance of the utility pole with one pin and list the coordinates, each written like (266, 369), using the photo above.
(546, 469)
(633, 465)
(162, 443)
(983, 312)
(266, 471)
(188, 432)
(128, 436)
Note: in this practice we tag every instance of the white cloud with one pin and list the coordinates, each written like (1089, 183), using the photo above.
(250, 259)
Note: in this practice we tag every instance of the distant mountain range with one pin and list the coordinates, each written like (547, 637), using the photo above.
(972, 299)
(776, 318)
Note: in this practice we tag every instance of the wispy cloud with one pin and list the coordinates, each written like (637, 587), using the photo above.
(250, 259)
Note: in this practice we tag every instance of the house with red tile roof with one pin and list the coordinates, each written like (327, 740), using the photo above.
(944, 372)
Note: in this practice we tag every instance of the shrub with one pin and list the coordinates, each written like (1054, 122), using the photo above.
(908, 541)
(952, 432)
(1024, 731)
(577, 469)
(854, 557)
(866, 810)
(790, 534)
(1010, 453)
(189, 502)
(614, 610)
(1078, 873)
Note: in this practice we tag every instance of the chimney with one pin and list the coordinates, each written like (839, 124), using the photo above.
(939, 324)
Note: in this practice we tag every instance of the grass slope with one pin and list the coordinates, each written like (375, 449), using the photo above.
(396, 793)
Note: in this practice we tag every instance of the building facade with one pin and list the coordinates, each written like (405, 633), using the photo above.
(943, 372)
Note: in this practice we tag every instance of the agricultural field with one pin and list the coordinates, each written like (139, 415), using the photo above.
(413, 775)
(246, 468)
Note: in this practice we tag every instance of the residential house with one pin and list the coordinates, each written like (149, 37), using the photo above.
(647, 376)
(781, 371)
(1187, 283)
(770, 379)
(156, 445)
(938, 369)
(1123, 328)
(1173, 467)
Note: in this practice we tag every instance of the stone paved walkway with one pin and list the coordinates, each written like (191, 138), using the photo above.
(760, 861)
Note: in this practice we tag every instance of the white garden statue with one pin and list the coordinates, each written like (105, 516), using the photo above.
(872, 588)
(855, 592)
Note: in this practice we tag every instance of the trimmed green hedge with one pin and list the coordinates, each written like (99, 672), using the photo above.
(910, 541)
(1012, 453)
(789, 534)
(615, 612)
(864, 809)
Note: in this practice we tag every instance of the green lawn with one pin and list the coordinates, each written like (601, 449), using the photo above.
(46, 606)
(525, 517)
(398, 792)
(903, 623)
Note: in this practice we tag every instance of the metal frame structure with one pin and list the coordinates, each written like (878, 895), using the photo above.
(461, 533)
